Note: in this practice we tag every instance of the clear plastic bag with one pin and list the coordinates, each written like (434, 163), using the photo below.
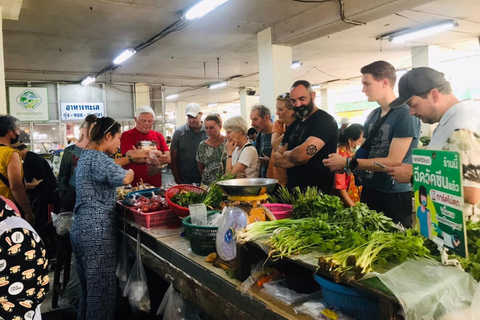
(136, 288)
(175, 307)
(427, 290)
(123, 266)
(153, 165)
(280, 291)
(63, 222)
(315, 309)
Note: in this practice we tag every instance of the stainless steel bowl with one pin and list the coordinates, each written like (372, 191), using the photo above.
(247, 187)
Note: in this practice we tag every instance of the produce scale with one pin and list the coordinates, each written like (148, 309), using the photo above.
(247, 196)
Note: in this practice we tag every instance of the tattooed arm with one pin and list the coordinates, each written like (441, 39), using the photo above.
(304, 152)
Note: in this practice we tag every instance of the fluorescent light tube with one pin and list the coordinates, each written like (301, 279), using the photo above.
(202, 8)
(296, 64)
(316, 86)
(88, 80)
(124, 56)
(428, 31)
(172, 96)
(212, 104)
(217, 85)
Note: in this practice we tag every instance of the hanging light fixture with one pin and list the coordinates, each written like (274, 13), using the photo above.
(419, 32)
(124, 56)
(88, 80)
(171, 97)
(202, 8)
(217, 85)
(296, 64)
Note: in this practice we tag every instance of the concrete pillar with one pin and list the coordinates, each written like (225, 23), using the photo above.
(180, 113)
(3, 93)
(426, 56)
(327, 101)
(142, 95)
(246, 104)
(275, 70)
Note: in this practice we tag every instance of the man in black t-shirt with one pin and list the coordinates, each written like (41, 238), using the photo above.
(307, 141)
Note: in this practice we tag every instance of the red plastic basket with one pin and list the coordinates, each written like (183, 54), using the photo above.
(178, 210)
(124, 211)
(164, 218)
(280, 210)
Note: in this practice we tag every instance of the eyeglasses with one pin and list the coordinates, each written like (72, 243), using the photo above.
(284, 95)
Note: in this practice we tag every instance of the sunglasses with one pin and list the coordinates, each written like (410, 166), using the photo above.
(284, 95)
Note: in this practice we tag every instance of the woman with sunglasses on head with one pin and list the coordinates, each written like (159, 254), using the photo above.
(211, 155)
(286, 115)
(93, 231)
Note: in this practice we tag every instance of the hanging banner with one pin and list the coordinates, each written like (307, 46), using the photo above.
(28, 104)
(437, 182)
(78, 111)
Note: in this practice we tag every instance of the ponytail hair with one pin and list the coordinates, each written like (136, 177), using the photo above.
(354, 131)
(101, 127)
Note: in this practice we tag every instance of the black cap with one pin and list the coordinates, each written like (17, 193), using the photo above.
(417, 81)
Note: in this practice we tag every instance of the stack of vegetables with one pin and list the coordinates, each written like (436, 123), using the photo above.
(347, 240)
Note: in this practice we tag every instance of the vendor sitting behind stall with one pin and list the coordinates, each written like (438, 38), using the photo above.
(242, 157)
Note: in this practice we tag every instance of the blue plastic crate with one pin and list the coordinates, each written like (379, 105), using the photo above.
(356, 303)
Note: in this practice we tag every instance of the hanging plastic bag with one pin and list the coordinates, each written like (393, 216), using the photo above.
(173, 305)
(136, 288)
(63, 222)
(123, 267)
(428, 290)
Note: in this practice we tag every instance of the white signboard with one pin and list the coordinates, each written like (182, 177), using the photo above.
(78, 111)
(28, 104)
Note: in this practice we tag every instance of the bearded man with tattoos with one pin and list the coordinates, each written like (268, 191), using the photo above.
(307, 141)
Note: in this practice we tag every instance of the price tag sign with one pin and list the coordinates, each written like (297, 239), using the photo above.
(437, 182)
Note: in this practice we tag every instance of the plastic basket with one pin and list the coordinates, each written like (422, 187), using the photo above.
(124, 211)
(178, 210)
(356, 303)
(280, 210)
(202, 238)
(164, 218)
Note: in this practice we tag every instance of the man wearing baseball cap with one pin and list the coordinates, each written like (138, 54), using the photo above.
(184, 147)
(429, 97)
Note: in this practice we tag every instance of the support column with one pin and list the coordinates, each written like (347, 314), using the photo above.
(3, 93)
(246, 103)
(426, 56)
(327, 101)
(142, 95)
(180, 113)
(275, 71)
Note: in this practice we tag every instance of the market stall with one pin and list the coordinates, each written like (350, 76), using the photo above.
(340, 246)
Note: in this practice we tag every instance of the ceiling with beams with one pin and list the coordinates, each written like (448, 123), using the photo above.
(58, 40)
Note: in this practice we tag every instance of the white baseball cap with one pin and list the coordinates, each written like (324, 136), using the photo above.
(193, 109)
(144, 109)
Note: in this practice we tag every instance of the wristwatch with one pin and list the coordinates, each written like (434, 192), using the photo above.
(130, 159)
(353, 164)
(229, 156)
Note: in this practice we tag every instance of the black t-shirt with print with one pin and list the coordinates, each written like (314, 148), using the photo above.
(320, 125)
(23, 270)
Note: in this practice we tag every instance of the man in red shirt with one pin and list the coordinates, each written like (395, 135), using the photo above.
(143, 137)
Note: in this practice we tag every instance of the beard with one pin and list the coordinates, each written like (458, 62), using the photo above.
(305, 110)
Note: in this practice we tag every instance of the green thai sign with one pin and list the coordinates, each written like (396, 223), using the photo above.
(437, 182)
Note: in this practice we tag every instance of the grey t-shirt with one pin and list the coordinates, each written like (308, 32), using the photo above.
(263, 144)
(186, 142)
(399, 124)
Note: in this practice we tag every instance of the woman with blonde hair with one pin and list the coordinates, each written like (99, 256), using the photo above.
(286, 115)
(211, 155)
(242, 157)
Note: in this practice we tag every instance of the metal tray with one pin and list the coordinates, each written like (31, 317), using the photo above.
(247, 187)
